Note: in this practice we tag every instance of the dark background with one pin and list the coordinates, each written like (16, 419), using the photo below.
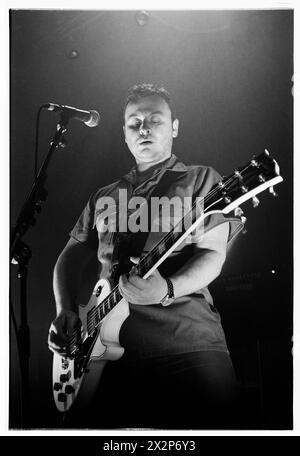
(229, 73)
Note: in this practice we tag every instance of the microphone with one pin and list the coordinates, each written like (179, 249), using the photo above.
(90, 118)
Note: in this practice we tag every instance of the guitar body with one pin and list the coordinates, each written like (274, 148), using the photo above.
(78, 378)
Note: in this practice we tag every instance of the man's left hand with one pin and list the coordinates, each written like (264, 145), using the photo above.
(143, 291)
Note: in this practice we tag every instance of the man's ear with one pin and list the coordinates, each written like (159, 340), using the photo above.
(175, 128)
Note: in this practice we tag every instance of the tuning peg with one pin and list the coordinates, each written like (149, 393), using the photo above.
(254, 163)
(255, 201)
(238, 212)
(272, 191)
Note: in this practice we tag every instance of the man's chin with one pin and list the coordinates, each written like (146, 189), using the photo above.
(147, 155)
(150, 158)
(147, 149)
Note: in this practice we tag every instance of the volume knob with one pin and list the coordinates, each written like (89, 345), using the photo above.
(69, 389)
(61, 397)
(57, 386)
(65, 377)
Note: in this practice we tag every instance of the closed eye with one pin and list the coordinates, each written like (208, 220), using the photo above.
(134, 126)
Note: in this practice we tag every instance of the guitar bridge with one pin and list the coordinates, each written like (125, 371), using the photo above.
(83, 355)
(65, 363)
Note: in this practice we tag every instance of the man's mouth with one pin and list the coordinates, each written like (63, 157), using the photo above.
(145, 141)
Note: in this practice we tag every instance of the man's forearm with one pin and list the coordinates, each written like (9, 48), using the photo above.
(197, 273)
(66, 278)
(67, 274)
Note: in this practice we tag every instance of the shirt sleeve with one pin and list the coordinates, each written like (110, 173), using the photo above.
(206, 180)
(84, 230)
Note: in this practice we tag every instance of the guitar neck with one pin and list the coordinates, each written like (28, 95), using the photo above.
(169, 243)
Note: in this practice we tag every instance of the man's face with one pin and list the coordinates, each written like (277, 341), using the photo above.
(149, 130)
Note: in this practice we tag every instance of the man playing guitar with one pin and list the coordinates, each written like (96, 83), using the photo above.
(176, 371)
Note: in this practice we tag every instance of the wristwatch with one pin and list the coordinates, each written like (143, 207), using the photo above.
(169, 298)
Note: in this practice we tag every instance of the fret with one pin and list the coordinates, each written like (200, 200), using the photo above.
(154, 256)
(169, 239)
(91, 325)
(78, 335)
(117, 295)
(161, 248)
(101, 313)
(90, 319)
(97, 316)
(144, 266)
(111, 301)
(157, 252)
(104, 308)
(178, 235)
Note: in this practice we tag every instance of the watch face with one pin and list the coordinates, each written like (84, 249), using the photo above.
(166, 301)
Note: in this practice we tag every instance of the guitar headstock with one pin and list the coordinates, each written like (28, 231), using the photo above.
(261, 173)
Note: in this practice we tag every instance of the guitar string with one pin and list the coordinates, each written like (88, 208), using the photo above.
(94, 311)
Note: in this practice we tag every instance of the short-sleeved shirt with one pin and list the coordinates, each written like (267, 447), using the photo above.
(190, 323)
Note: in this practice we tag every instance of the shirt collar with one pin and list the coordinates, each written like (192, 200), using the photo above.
(171, 164)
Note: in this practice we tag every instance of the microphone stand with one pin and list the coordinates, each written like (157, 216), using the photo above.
(20, 253)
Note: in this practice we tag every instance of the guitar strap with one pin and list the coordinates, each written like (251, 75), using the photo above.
(131, 244)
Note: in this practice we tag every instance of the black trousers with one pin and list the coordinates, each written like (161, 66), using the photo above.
(188, 391)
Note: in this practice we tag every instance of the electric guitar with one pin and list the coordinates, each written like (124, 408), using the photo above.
(96, 340)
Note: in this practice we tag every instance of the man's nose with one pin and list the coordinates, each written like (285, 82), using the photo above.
(145, 130)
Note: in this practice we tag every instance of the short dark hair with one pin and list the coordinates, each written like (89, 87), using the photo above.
(138, 91)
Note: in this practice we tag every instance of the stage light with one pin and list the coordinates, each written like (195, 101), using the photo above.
(73, 54)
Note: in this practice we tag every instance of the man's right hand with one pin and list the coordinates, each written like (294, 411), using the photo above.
(61, 331)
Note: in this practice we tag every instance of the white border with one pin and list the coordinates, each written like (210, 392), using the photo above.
(4, 182)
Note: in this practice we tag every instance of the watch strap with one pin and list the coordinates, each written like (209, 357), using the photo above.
(170, 288)
(170, 294)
